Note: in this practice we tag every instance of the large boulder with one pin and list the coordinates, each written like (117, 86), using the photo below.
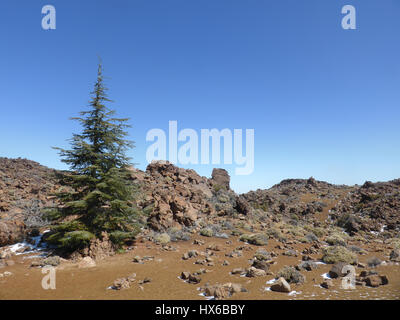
(307, 265)
(372, 279)
(337, 270)
(327, 284)
(253, 272)
(261, 264)
(242, 206)
(281, 285)
(220, 178)
(11, 232)
(395, 255)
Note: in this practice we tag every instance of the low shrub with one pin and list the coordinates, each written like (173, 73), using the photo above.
(334, 254)
(274, 233)
(178, 234)
(311, 237)
(336, 239)
(120, 237)
(291, 275)
(318, 231)
(207, 232)
(162, 238)
(257, 239)
(236, 232)
(262, 254)
(356, 249)
(218, 187)
(395, 242)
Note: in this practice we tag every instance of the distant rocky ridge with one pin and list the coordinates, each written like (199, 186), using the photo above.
(374, 207)
(179, 198)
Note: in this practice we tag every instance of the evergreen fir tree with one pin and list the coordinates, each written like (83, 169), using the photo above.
(99, 178)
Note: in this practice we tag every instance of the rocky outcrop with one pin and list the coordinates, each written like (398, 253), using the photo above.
(174, 195)
(288, 197)
(178, 202)
(242, 205)
(26, 187)
(220, 178)
(12, 231)
(373, 207)
(171, 197)
(177, 197)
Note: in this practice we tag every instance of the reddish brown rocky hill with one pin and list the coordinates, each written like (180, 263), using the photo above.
(25, 188)
(373, 207)
(177, 198)
(300, 197)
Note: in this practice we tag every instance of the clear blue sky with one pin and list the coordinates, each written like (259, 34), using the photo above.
(324, 102)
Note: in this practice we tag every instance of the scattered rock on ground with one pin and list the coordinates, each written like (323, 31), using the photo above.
(327, 284)
(281, 285)
(224, 291)
(86, 262)
(337, 270)
(254, 272)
